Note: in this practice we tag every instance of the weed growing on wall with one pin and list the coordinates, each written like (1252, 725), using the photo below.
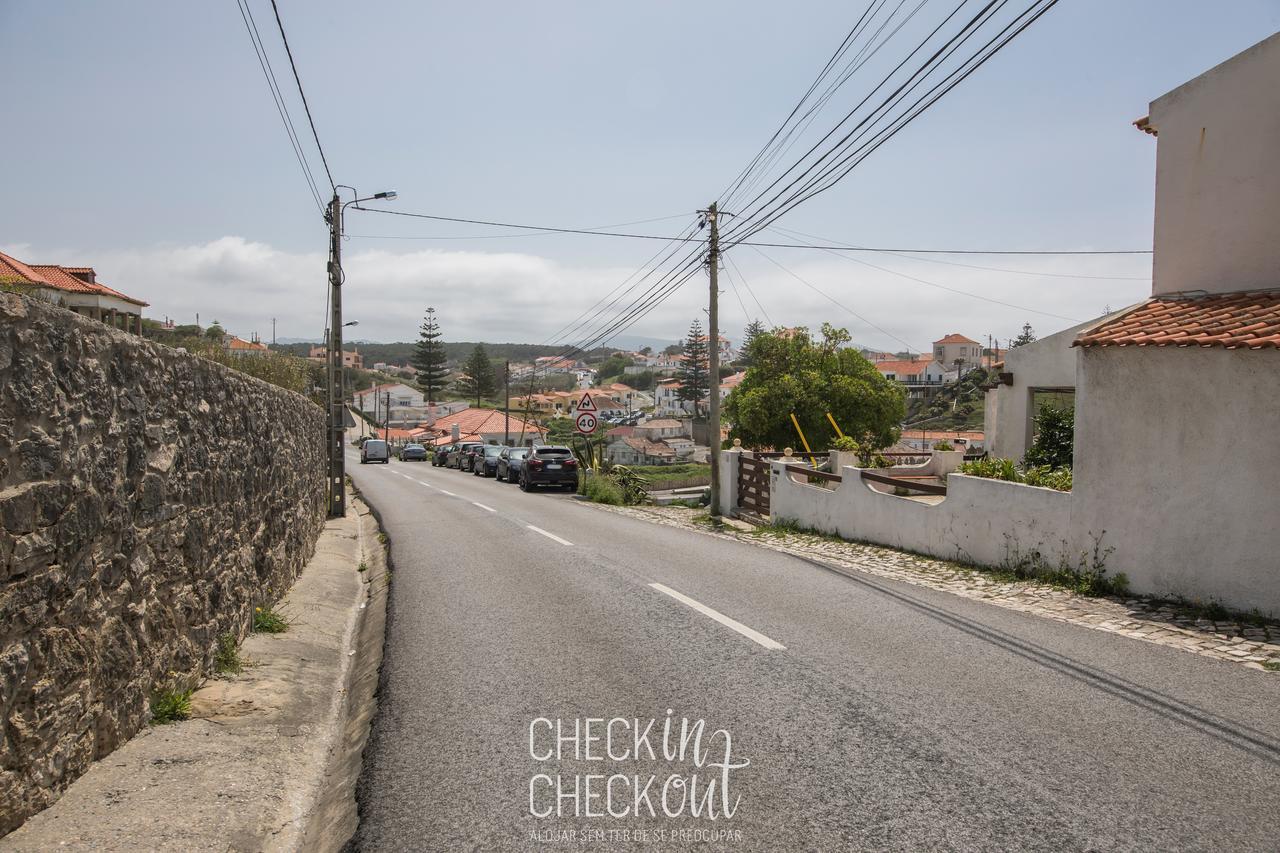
(170, 704)
(267, 621)
(226, 657)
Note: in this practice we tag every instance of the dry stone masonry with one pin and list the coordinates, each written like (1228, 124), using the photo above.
(149, 499)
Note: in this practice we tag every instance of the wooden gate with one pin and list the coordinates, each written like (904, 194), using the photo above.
(753, 484)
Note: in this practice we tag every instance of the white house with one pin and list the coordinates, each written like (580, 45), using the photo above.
(74, 288)
(1176, 413)
(920, 376)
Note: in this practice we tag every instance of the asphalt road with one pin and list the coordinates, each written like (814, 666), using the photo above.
(873, 715)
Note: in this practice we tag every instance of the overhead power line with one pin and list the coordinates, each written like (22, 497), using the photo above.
(277, 97)
(305, 105)
(834, 246)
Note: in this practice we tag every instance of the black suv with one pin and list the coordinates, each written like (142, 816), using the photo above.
(549, 465)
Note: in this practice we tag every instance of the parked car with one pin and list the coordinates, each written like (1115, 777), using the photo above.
(441, 455)
(549, 465)
(375, 450)
(485, 463)
(460, 453)
(413, 453)
(510, 460)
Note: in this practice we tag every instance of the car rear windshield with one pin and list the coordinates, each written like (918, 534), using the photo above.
(552, 451)
(375, 444)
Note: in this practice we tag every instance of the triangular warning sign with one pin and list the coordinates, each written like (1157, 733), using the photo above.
(586, 404)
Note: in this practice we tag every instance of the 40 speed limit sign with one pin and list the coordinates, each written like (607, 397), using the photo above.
(587, 422)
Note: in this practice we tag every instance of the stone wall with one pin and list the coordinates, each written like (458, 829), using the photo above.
(149, 499)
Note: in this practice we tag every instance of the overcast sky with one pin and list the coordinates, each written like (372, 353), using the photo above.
(141, 139)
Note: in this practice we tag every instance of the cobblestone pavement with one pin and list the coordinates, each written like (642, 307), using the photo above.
(1143, 619)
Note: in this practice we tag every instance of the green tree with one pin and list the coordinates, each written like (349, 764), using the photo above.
(792, 374)
(215, 332)
(1026, 337)
(1055, 429)
(612, 367)
(754, 329)
(429, 357)
(478, 380)
(694, 380)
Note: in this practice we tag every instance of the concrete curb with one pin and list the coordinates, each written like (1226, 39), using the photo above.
(270, 758)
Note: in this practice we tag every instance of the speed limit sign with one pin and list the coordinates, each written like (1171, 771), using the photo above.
(587, 422)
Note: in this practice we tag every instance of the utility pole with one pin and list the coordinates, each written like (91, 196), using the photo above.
(387, 411)
(337, 472)
(273, 331)
(506, 409)
(713, 358)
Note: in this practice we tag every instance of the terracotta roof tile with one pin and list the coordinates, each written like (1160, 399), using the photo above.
(13, 268)
(955, 339)
(1247, 319)
(903, 367)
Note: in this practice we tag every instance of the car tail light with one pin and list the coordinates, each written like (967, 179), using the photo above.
(571, 463)
(535, 464)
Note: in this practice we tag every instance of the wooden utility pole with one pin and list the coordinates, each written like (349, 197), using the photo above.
(713, 358)
(506, 407)
(337, 473)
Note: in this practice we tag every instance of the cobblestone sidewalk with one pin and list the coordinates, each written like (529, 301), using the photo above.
(1150, 621)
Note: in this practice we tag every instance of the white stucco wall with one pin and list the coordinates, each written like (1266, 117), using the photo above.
(1217, 223)
(1047, 363)
(1182, 469)
(987, 522)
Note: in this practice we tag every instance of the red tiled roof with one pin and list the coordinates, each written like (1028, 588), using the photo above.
(240, 343)
(955, 339)
(903, 367)
(59, 278)
(1248, 319)
(13, 268)
(477, 421)
(620, 432)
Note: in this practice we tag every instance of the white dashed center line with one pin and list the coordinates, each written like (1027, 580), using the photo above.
(482, 506)
(447, 492)
(550, 536)
(749, 633)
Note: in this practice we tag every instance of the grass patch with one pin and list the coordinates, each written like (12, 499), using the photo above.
(266, 620)
(226, 657)
(170, 705)
(1272, 665)
(363, 567)
(602, 490)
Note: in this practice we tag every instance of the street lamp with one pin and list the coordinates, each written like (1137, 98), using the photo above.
(336, 490)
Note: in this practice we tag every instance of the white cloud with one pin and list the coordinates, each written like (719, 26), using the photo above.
(512, 296)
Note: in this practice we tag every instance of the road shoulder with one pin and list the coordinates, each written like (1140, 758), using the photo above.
(1137, 618)
(269, 759)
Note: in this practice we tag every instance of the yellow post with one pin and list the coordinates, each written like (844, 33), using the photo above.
(803, 440)
(835, 426)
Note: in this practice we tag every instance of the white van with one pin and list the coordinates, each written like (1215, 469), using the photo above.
(375, 450)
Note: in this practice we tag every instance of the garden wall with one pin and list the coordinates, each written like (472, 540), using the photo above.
(149, 500)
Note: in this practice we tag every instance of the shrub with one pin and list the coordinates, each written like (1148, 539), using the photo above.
(603, 490)
(943, 445)
(1055, 437)
(846, 444)
(995, 468)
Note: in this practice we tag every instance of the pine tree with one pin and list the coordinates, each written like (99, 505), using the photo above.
(754, 329)
(694, 381)
(479, 380)
(429, 357)
(1027, 336)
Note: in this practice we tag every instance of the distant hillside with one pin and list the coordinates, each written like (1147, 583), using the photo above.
(956, 406)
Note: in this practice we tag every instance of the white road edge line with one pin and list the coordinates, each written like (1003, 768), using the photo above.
(551, 536)
(482, 506)
(749, 633)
